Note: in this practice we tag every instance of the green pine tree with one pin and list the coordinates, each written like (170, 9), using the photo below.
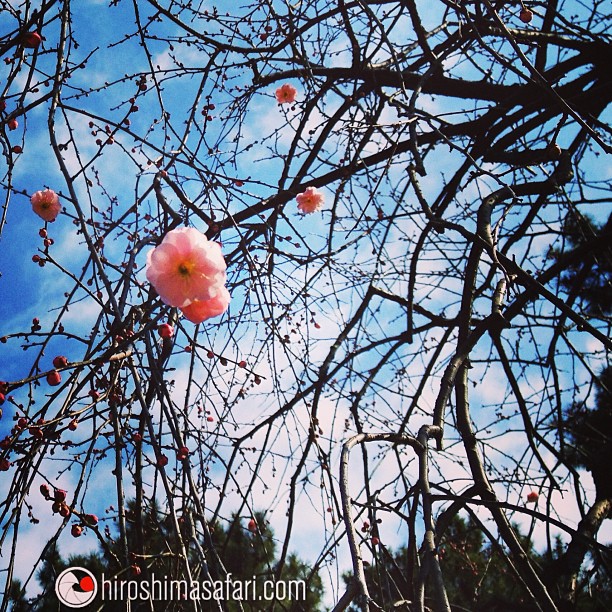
(248, 553)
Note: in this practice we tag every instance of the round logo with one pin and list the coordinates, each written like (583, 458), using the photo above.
(76, 587)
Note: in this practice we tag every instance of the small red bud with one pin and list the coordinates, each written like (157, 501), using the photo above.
(12, 124)
(165, 330)
(252, 526)
(64, 510)
(73, 425)
(60, 362)
(31, 40)
(5, 464)
(59, 495)
(2, 399)
(54, 378)
(76, 531)
(182, 453)
(36, 432)
(375, 541)
(242, 364)
(162, 460)
(44, 490)
(17, 149)
(22, 422)
(525, 15)
(91, 519)
(532, 497)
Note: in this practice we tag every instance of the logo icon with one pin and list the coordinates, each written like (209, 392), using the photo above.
(76, 587)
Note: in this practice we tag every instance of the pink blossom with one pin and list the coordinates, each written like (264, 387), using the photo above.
(286, 94)
(186, 267)
(46, 204)
(200, 310)
(310, 201)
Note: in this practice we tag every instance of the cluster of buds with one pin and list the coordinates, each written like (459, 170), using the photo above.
(365, 528)
(59, 506)
(58, 498)
(35, 429)
(87, 520)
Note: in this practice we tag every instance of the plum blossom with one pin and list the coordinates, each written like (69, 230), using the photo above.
(186, 267)
(286, 94)
(200, 310)
(46, 204)
(310, 200)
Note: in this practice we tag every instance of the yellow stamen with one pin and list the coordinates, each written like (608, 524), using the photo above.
(185, 268)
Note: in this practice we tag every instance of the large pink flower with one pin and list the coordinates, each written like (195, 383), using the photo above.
(186, 267)
(200, 310)
(286, 94)
(310, 200)
(46, 204)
